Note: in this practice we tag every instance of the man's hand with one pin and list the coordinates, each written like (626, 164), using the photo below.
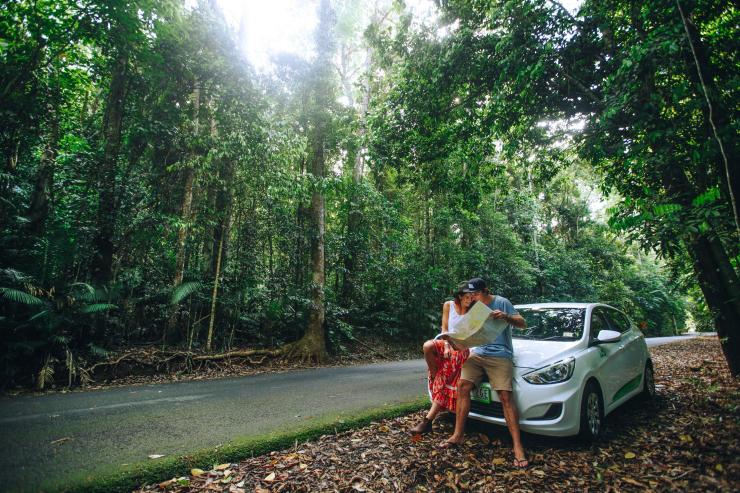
(515, 320)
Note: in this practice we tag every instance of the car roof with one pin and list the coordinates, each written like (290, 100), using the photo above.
(559, 305)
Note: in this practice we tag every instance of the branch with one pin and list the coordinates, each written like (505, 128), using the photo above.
(711, 118)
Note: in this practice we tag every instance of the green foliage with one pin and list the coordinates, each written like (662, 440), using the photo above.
(19, 296)
(460, 157)
(184, 290)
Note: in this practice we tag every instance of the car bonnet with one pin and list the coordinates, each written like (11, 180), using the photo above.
(536, 354)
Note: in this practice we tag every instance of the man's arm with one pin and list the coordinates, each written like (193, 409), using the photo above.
(515, 320)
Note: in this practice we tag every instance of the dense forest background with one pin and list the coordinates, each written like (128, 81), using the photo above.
(157, 189)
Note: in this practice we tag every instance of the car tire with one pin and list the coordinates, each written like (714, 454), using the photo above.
(592, 413)
(648, 382)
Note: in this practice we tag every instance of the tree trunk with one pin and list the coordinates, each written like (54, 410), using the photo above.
(719, 284)
(103, 260)
(717, 120)
(354, 219)
(38, 209)
(312, 346)
(185, 211)
(214, 295)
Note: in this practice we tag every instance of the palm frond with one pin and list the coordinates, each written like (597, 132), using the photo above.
(97, 307)
(184, 290)
(19, 296)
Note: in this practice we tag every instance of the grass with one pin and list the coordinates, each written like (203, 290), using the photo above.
(132, 476)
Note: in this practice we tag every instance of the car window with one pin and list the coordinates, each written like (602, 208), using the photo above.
(598, 323)
(618, 321)
(552, 324)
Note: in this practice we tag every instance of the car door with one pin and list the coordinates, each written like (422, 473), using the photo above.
(611, 374)
(631, 352)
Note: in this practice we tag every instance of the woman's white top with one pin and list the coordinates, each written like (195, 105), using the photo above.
(453, 318)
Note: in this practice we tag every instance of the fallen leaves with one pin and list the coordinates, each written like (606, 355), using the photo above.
(687, 439)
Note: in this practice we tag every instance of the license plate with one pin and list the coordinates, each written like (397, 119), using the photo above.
(482, 393)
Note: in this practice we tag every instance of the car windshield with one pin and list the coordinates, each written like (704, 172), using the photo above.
(552, 324)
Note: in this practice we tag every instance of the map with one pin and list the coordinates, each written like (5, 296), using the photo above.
(475, 328)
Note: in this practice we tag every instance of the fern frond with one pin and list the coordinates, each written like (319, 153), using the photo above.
(61, 340)
(14, 275)
(711, 195)
(97, 350)
(88, 292)
(40, 314)
(184, 290)
(19, 296)
(98, 307)
(46, 373)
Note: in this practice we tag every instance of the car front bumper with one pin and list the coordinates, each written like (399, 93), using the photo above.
(552, 410)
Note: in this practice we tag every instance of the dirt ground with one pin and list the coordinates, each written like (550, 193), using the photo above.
(686, 439)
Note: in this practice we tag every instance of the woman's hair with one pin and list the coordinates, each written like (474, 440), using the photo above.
(458, 294)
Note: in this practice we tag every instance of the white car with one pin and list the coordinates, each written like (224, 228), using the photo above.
(573, 365)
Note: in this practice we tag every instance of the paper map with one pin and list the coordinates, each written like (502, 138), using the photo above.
(475, 328)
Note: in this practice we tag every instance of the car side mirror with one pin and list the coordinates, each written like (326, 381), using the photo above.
(606, 336)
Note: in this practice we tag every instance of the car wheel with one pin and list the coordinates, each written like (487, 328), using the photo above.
(648, 382)
(592, 413)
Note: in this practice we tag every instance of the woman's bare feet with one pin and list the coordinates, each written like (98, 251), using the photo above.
(424, 426)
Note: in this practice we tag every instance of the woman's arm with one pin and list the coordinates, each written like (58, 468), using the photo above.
(445, 316)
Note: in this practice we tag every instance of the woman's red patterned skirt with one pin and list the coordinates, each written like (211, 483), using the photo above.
(444, 386)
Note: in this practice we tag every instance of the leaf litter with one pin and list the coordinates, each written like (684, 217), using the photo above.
(686, 439)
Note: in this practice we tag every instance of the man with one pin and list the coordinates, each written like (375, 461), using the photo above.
(495, 360)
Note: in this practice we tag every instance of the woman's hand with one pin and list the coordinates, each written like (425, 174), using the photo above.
(448, 349)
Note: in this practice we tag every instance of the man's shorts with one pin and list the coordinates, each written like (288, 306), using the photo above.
(499, 371)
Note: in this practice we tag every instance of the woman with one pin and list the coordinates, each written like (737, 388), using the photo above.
(444, 362)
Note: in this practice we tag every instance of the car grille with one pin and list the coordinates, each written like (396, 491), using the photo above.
(494, 409)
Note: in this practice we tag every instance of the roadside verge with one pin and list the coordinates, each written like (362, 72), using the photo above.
(130, 477)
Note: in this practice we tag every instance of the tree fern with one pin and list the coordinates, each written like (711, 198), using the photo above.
(184, 290)
(19, 296)
(97, 307)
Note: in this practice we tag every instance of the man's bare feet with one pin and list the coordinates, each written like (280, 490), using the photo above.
(451, 442)
(520, 458)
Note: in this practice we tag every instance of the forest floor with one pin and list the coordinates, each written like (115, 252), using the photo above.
(686, 439)
(147, 365)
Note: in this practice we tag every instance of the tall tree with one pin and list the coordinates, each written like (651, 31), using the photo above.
(312, 346)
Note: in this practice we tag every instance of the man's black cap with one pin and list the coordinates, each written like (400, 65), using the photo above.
(473, 285)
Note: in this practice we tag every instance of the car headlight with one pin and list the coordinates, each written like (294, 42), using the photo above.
(555, 373)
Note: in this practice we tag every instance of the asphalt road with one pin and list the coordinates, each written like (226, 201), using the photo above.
(100, 429)
(659, 341)
(62, 435)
